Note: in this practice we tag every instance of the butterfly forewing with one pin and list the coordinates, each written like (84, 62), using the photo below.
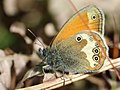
(88, 18)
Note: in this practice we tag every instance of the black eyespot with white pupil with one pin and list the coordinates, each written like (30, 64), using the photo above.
(93, 17)
(96, 58)
(96, 50)
(78, 38)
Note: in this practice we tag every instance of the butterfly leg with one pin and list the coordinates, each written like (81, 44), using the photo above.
(62, 78)
(47, 69)
(49, 73)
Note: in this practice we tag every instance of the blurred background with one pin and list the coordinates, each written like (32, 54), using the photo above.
(45, 18)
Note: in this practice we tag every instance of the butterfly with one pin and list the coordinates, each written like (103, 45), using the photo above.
(75, 50)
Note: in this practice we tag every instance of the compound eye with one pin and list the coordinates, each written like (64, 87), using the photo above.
(96, 50)
(93, 17)
(78, 38)
(96, 58)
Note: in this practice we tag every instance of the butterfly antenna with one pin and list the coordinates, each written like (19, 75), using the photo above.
(36, 38)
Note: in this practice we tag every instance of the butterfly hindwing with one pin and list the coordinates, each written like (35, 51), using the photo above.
(84, 55)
